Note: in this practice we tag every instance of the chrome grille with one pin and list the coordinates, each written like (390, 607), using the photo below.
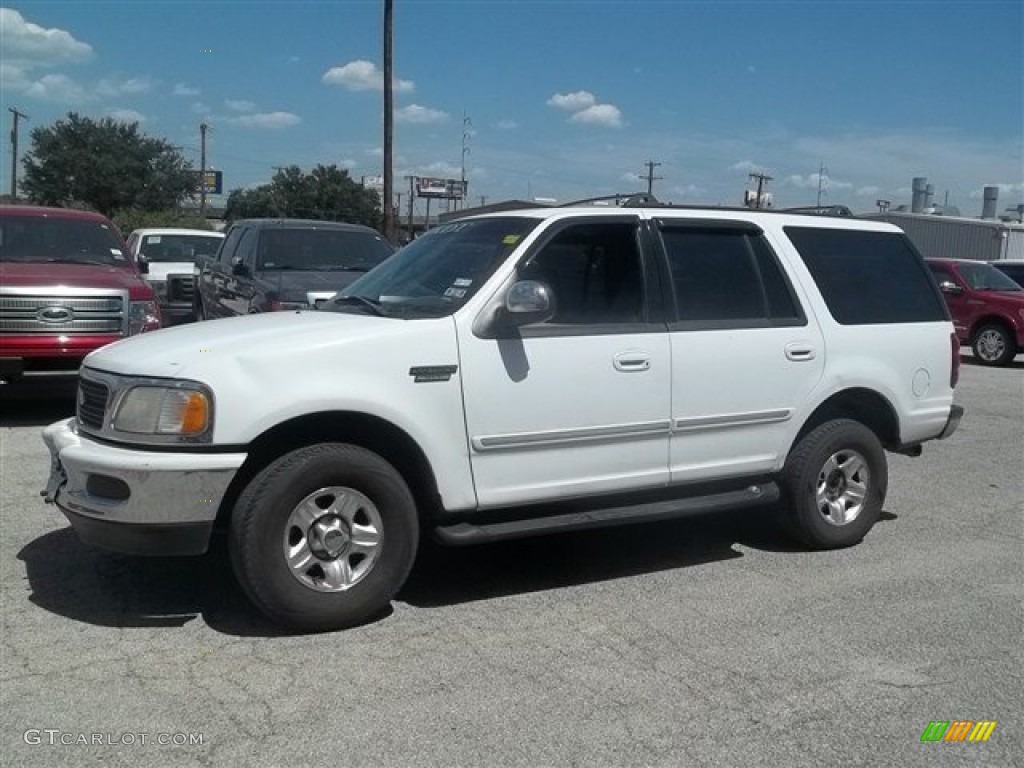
(61, 314)
(92, 403)
(180, 288)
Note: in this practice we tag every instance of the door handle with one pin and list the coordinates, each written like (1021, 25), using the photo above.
(799, 351)
(628, 362)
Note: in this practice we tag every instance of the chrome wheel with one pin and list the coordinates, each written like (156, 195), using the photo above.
(990, 345)
(842, 487)
(333, 539)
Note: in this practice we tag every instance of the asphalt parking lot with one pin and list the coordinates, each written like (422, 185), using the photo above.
(702, 642)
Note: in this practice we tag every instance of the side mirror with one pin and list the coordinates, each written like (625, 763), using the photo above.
(143, 264)
(948, 286)
(238, 267)
(529, 301)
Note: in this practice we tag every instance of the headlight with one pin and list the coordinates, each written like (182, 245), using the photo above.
(156, 410)
(159, 286)
(143, 316)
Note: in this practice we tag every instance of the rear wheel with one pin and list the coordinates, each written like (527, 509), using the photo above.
(324, 536)
(993, 345)
(834, 484)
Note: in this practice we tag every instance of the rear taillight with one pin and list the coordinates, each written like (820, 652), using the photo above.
(954, 369)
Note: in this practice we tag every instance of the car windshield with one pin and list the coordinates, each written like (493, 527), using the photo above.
(985, 277)
(321, 250)
(438, 272)
(51, 239)
(178, 247)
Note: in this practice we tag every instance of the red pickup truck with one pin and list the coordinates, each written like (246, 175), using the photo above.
(67, 287)
(986, 305)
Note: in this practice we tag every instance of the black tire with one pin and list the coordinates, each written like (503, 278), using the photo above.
(807, 471)
(993, 344)
(261, 521)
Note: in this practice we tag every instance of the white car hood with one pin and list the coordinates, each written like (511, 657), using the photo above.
(200, 350)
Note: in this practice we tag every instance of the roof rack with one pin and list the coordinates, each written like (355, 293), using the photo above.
(627, 200)
(820, 210)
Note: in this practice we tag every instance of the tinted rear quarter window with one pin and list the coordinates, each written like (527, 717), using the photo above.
(868, 278)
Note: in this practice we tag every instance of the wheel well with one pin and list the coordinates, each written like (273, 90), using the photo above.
(373, 433)
(863, 405)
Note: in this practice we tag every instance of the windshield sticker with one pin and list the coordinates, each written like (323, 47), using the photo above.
(462, 282)
(455, 293)
(154, 239)
(116, 253)
(446, 228)
(511, 239)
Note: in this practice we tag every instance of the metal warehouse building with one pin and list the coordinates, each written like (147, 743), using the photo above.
(958, 237)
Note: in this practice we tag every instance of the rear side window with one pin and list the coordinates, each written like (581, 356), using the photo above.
(868, 278)
(727, 276)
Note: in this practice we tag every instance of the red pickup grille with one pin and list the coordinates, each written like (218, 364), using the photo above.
(61, 314)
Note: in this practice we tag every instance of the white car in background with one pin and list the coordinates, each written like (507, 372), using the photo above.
(167, 258)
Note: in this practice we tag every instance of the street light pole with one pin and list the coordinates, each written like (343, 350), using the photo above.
(389, 127)
(202, 170)
(14, 150)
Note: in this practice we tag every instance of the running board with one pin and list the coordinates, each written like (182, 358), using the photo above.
(463, 533)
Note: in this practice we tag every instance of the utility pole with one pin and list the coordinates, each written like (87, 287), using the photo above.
(389, 117)
(14, 150)
(412, 197)
(202, 170)
(761, 179)
(467, 125)
(483, 200)
(651, 178)
(822, 170)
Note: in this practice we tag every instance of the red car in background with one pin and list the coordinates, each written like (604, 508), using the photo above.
(986, 305)
(67, 287)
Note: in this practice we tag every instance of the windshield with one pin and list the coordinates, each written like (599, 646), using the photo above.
(319, 250)
(50, 239)
(438, 272)
(984, 277)
(178, 247)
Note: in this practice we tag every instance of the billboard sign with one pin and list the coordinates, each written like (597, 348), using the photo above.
(213, 181)
(451, 189)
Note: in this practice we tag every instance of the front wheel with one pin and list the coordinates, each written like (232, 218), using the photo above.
(993, 345)
(834, 484)
(323, 537)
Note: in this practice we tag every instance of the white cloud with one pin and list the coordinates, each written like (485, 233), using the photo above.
(599, 114)
(688, 190)
(507, 125)
(869, 191)
(13, 77)
(200, 108)
(415, 113)
(362, 75)
(572, 102)
(376, 152)
(180, 89)
(239, 105)
(745, 166)
(23, 41)
(118, 87)
(630, 178)
(58, 88)
(1004, 189)
(271, 120)
(126, 115)
(440, 168)
(812, 180)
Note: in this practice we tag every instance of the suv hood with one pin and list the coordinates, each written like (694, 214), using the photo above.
(16, 274)
(207, 350)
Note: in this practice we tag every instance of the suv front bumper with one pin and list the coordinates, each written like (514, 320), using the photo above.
(136, 501)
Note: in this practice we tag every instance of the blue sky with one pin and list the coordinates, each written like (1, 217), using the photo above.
(565, 99)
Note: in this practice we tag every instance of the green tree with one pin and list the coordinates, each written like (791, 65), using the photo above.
(106, 164)
(326, 192)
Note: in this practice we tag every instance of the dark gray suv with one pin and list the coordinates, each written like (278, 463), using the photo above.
(265, 265)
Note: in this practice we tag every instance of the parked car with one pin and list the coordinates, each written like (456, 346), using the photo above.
(265, 265)
(514, 374)
(168, 256)
(67, 287)
(1012, 268)
(987, 308)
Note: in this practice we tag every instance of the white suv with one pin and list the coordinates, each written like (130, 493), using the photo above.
(513, 374)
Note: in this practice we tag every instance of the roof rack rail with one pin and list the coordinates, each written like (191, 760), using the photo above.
(627, 200)
(820, 210)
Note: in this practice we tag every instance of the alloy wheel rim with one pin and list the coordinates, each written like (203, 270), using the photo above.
(991, 345)
(333, 539)
(842, 487)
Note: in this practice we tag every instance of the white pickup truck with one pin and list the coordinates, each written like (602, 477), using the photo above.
(513, 374)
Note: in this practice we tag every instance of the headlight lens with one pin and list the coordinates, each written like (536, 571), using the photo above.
(152, 410)
(143, 316)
